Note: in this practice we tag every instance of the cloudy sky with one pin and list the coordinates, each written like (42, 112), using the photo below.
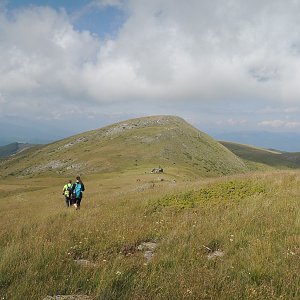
(229, 67)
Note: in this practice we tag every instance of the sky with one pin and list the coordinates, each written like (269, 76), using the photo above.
(229, 67)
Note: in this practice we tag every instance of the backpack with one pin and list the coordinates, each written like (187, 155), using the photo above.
(77, 190)
(68, 190)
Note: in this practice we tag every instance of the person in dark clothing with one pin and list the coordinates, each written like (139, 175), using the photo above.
(78, 188)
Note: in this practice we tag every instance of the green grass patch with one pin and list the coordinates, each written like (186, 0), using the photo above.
(233, 190)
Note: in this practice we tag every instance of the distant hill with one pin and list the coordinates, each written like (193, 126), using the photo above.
(14, 148)
(286, 141)
(141, 144)
(258, 158)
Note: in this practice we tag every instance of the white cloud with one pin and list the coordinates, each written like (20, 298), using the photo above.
(219, 50)
(104, 3)
(274, 110)
(2, 100)
(41, 57)
(232, 122)
(168, 51)
(280, 124)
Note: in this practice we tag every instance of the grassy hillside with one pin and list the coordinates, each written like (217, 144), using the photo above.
(142, 144)
(14, 148)
(259, 158)
(228, 238)
(149, 236)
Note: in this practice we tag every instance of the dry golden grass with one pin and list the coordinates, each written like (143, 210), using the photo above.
(254, 220)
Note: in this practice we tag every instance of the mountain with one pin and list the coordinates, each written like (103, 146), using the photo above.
(286, 141)
(14, 148)
(258, 158)
(140, 144)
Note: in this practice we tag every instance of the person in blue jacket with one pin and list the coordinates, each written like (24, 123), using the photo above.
(78, 188)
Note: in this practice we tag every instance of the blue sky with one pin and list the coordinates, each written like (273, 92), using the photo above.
(102, 20)
(231, 68)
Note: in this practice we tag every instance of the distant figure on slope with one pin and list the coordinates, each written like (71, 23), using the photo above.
(67, 192)
(78, 188)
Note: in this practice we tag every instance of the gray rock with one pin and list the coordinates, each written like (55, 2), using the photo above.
(215, 254)
(150, 246)
(85, 263)
(148, 255)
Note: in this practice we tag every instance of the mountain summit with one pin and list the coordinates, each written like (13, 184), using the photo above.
(143, 143)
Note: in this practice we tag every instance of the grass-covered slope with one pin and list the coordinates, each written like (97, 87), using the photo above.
(14, 148)
(226, 238)
(142, 143)
(259, 158)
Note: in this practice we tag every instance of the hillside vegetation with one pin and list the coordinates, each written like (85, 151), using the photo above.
(206, 228)
(230, 238)
(259, 158)
(14, 148)
(142, 143)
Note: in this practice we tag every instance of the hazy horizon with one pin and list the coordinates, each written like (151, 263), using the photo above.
(286, 141)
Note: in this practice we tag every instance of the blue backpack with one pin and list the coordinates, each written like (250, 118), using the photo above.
(78, 190)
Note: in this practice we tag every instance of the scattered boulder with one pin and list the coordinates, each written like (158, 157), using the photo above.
(148, 255)
(157, 171)
(84, 263)
(215, 254)
(72, 143)
(148, 248)
(213, 250)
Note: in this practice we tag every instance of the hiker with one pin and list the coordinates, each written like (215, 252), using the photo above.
(67, 192)
(78, 188)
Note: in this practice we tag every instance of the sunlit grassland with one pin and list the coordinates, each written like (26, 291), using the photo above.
(253, 219)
